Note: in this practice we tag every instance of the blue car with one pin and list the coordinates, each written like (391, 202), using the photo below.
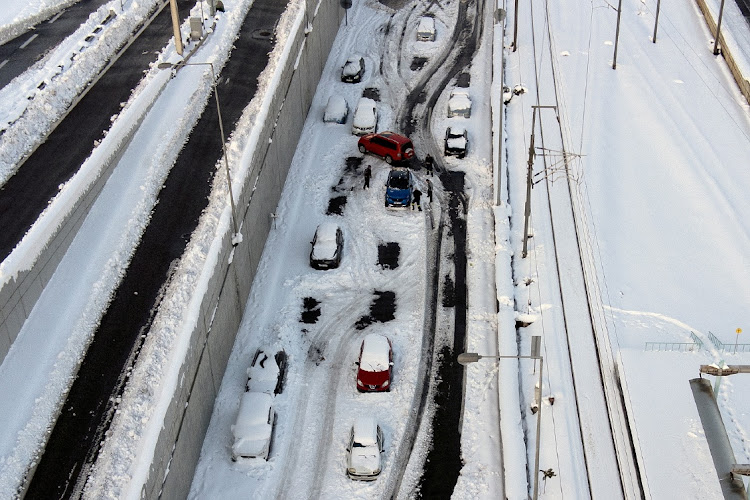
(399, 188)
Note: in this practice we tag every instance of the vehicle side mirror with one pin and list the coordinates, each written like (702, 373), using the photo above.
(391, 363)
(356, 363)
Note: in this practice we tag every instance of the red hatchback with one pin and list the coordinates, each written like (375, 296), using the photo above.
(375, 364)
(389, 145)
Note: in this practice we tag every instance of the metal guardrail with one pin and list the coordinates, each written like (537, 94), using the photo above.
(695, 345)
(672, 346)
(730, 348)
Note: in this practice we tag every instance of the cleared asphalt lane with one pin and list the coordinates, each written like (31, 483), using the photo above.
(18, 54)
(26, 194)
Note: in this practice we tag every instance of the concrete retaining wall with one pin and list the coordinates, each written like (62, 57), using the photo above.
(726, 47)
(18, 296)
(223, 305)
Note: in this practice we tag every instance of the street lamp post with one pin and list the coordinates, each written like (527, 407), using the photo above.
(166, 65)
(472, 357)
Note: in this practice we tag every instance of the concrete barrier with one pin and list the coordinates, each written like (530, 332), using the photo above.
(222, 306)
(726, 45)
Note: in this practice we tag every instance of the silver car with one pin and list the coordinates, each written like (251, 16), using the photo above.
(363, 461)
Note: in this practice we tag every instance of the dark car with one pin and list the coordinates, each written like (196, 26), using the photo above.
(456, 141)
(391, 146)
(375, 364)
(399, 188)
(353, 70)
(327, 246)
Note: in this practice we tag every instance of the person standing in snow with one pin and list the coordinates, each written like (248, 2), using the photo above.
(428, 163)
(368, 173)
(429, 190)
(417, 194)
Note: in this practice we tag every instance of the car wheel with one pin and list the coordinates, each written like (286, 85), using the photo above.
(389, 160)
(362, 149)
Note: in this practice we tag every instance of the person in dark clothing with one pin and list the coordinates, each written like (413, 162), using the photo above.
(416, 195)
(429, 190)
(368, 174)
(428, 163)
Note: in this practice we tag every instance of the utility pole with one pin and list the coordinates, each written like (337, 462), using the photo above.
(718, 29)
(529, 181)
(176, 26)
(656, 22)
(515, 26)
(617, 34)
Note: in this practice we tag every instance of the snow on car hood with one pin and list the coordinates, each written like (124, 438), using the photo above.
(457, 142)
(252, 430)
(264, 376)
(365, 459)
(324, 249)
(351, 67)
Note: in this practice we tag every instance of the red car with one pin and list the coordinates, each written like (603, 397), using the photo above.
(389, 145)
(375, 364)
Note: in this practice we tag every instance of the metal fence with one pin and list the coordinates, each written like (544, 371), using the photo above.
(695, 345)
(730, 348)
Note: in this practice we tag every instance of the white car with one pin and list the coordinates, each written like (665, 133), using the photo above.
(254, 426)
(459, 104)
(363, 461)
(426, 29)
(337, 110)
(365, 117)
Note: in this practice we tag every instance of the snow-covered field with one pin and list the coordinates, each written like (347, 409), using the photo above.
(664, 141)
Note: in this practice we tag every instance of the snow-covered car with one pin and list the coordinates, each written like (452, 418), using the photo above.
(456, 141)
(266, 373)
(365, 119)
(337, 110)
(353, 70)
(254, 426)
(399, 188)
(426, 29)
(375, 365)
(327, 246)
(390, 146)
(363, 461)
(459, 104)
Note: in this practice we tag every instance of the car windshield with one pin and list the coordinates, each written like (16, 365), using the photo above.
(398, 180)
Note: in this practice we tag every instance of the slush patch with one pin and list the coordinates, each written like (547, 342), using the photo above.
(382, 309)
(336, 205)
(310, 310)
(463, 80)
(418, 63)
(388, 254)
(372, 93)
(449, 292)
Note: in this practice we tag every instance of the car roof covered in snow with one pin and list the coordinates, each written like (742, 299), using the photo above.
(252, 429)
(375, 353)
(365, 431)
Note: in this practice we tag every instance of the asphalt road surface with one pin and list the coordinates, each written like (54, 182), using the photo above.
(20, 53)
(26, 194)
(87, 411)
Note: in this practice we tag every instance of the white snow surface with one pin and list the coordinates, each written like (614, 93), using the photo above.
(662, 177)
